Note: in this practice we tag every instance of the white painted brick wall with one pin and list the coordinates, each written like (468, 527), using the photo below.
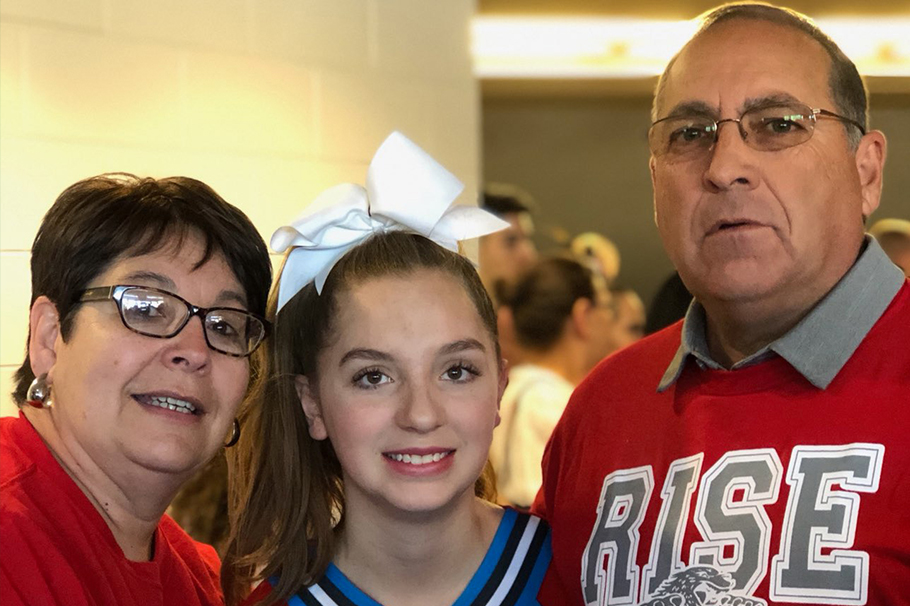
(268, 101)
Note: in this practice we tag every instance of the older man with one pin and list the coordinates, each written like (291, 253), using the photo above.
(758, 451)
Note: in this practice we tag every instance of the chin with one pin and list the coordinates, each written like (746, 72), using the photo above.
(735, 282)
(178, 459)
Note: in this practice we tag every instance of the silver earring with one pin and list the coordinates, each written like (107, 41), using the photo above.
(235, 434)
(38, 392)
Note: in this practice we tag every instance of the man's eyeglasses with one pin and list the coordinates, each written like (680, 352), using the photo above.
(158, 313)
(767, 128)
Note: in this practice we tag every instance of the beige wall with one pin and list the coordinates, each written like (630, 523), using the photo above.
(585, 160)
(268, 101)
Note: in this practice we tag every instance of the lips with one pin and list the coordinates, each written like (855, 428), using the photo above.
(169, 401)
(419, 456)
(731, 224)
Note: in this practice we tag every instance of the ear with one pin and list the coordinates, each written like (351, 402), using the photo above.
(311, 410)
(43, 332)
(579, 320)
(503, 383)
(652, 169)
(870, 163)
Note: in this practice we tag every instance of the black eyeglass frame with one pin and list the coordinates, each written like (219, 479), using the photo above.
(115, 293)
(812, 113)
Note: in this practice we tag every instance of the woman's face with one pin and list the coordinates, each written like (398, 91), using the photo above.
(109, 383)
(408, 392)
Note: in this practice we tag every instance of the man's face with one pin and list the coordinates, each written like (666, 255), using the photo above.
(507, 254)
(773, 227)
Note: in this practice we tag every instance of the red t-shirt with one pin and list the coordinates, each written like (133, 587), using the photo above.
(55, 548)
(745, 487)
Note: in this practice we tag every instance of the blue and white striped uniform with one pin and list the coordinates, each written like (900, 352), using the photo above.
(509, 575)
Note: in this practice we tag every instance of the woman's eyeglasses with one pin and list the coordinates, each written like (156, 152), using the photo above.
(158, 313)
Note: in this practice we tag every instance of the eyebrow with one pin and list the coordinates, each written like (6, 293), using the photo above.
(769, 101)
(692, 108)
(365, 353)
(700, 108)
(165, 283)
(462, 345)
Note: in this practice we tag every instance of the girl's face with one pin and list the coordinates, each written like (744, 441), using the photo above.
(408, 392)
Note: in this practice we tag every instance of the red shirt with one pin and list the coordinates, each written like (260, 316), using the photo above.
(55, 548)
(746, 487)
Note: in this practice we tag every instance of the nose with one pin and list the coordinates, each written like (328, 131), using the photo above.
(188, 350)
(419, 410)
(732, 162)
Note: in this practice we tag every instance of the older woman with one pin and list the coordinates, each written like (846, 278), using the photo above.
(147, 300)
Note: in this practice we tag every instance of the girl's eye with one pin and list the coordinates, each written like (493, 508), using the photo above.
(370, 378)
(461, 373)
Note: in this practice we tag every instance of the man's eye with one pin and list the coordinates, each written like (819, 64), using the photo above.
(783, 125)
(780, 125)
(687, 134)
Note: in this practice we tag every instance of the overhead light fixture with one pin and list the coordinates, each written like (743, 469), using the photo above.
(557, 47)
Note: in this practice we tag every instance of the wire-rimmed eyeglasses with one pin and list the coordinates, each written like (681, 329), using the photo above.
(765, 128)
(161, 314)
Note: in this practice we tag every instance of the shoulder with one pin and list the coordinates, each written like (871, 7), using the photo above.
(262, 591)
(14, 463)
(538, 385)
(528, 552)
(628, 373)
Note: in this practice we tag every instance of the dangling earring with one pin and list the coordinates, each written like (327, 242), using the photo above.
(235, 434)
(38, 392)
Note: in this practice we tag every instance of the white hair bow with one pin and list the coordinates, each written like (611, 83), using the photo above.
(406, 190)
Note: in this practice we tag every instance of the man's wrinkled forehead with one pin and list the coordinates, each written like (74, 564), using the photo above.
(748, 61)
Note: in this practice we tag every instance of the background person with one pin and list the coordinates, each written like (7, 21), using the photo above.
(133, 389)
(564, 325)
(628, 317)
(894, 237)
(756, 452)
(366, 466)
(505, 255)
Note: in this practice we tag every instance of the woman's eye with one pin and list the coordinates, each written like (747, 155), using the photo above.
(460, 373)
(368, 379)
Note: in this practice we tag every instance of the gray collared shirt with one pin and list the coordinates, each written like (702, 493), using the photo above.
(820, 345)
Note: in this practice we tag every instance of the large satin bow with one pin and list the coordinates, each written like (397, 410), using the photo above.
(406, 190)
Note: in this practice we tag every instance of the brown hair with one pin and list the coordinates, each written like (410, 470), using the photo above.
(542, 300)
(287, 494)
(844, 82)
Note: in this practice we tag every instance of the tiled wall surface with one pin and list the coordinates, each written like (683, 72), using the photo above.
(268, 101)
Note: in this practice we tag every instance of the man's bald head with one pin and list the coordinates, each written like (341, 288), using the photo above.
(846, 86)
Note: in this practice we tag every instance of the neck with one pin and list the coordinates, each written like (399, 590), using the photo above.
(566, 358)
(404, 558)
(731, 340)
(737, 329)
(130, 503)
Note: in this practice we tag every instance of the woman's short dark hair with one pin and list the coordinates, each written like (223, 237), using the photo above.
(542, 300)
(99, 220)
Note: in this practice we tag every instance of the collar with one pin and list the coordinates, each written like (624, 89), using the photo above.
(823, 341)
